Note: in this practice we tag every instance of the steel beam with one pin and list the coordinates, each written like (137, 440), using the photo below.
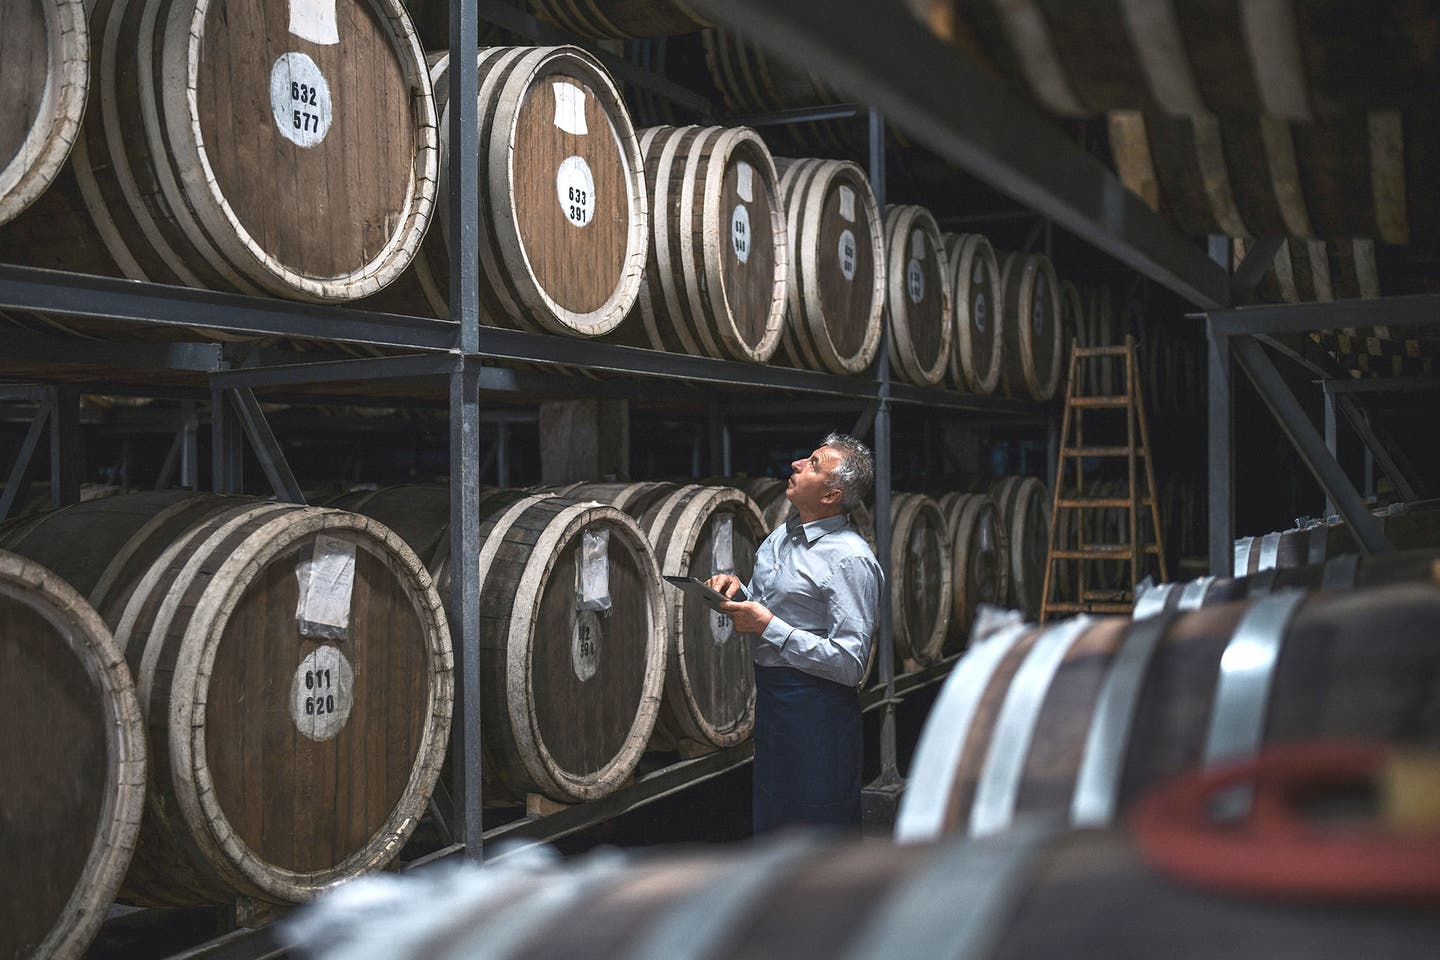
(1258, 259)
(951, 105)
(22, 472)
(227, 450)
(1332, 444)
(1307, 353)
(1311, 446)
(1385, 385)
(36, 348)
(1377, 448)
(865, 422)
(77, 295)
(838, 111)
(1420, 310)
(414, 366)
(267, 448)
(1221, 468)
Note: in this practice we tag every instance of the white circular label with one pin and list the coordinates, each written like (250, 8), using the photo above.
(740, 232)
(915, 278)
(977, 312)
(722, 628)
(322, 693)
(300, 99)
(585, 644)
(1037, 311)
(847, 254)
(575, 185)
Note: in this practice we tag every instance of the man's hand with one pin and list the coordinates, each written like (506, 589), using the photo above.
(748, 617)
(724, 583)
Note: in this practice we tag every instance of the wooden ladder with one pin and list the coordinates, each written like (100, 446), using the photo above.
(1143, 492)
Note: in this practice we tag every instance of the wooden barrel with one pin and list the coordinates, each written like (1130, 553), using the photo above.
(972, 526)
(1034, 349)
(301, 163)
(1039, 891)
(1024, 507)
(564, 217)
(698, 531)
(294, 667)
(628, 19)
(920, 592)
(977, 358)
(1344, 571)
(1408, 527)
(1125, 704)
(837, 250)
(918, 281)
(44, 56)
(74, 760)
(719, 266)
(571, 688)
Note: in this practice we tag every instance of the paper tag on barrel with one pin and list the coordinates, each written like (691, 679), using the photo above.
(327, 584)
(722, 559)
(592, 598)
(314, 20)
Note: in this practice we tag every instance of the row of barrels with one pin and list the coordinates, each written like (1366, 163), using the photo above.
(687, 239)
(1408, 526)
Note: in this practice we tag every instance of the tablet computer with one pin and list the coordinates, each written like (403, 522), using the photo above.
(697, 588)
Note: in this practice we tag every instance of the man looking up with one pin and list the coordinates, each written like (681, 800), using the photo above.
(811, 612)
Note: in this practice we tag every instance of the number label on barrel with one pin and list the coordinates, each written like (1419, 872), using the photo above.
(322, 693)
(915, 281)
(585, 644)
(575, 185)
(740, 238)
(300, 100)
(977, 312)
(722, 628)
(847, 254)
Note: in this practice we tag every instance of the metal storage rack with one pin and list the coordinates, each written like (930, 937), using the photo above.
(988, 132)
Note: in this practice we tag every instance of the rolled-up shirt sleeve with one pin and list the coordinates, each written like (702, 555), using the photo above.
(852, 598)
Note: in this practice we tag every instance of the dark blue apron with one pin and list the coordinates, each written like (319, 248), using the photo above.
(807, 750)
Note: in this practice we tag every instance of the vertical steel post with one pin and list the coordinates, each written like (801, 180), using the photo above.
(189, 446)
(227, 450)
(502, 453)
(1221, 469)
(1332, 443)
(66, 451)
(890, 783)
(464, 213)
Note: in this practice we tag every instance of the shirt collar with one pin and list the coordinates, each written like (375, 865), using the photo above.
(815, 529)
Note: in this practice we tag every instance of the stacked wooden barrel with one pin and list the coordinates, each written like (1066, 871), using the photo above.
(1034, 351)
(294, 665)
(74, 760)
(977, 358)
(564, 221)
(1024, 508)
(976, 560)
(573, 636)
(837, 254)
(719, 265)
(1124, 704)
(300, 163)
(1407, 526)
(44, 59)
(920, 577)
(698, 531)
(918, 282)
(627, 20)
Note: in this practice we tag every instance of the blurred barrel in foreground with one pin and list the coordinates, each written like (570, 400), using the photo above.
(1036, 892)
(73, 755)
(1079, 718)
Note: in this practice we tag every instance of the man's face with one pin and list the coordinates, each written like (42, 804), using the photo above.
(809, 488)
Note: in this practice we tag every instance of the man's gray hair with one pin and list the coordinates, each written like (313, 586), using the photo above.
(854, 475)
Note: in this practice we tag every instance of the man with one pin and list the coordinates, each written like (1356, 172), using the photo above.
(811, 610)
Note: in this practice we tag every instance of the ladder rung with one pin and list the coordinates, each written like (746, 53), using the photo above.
(1103, 503)
(1106, 596)
(1100, 551)
(1102, 451)
(1071, 607)
(1115, 351)
(1089, 402)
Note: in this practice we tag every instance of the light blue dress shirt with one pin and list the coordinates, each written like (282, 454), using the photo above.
(822, 583)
